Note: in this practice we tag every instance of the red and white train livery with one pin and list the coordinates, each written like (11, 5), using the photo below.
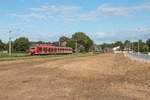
(48, 49)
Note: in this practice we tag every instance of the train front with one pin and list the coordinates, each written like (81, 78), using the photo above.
(32, 50)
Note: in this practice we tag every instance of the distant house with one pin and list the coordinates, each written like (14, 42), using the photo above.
(109, 49)
(117, 49)
(96, 48)
(127, 48)
(99, 48)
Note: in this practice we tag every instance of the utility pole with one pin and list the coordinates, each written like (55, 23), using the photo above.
(138, 47)
(10, 42)
(59, 43)
(138, 29)
(133, 46)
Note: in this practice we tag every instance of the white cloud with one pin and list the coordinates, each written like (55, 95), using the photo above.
(72, 14)
(83, 19)
(93, 16)
(62, 9)
(43, 8)
(122, 11)
(50, 11)
(50, 36)
(141, 7)
(68, 8)
(122, 35)
(31, 27)
(31, 15)
(119, 11)
(88, 18)
(134, 34)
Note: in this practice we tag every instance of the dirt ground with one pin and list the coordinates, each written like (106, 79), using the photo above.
(100, 77)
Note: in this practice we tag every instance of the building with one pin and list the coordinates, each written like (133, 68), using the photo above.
(127, 48)
(96, 48)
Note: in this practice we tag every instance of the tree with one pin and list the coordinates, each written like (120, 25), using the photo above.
(135, 46)
(2, 45)
(71, 43)
(142, 46)
(63, 39)
(55, 43)
(106, 45)
(127, 43)
(119, 43)
(148, 43)
(82, 40)
(21, 44)
(145, 48)
(81, 48)
(48, 43)
(40, 42)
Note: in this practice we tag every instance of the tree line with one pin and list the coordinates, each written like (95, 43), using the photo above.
(78, 40)
(143, 47)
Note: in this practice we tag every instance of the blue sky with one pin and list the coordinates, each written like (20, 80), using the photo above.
(102, 20)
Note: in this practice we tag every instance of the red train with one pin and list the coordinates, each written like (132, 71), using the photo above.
(48, 49)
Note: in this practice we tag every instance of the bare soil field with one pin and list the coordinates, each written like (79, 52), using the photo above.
(100, 77)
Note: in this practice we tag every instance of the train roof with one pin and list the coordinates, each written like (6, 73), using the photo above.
(47, 45)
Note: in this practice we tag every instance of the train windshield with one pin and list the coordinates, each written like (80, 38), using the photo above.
(32, 48)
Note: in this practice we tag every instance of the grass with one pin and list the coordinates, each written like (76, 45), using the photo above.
(24, 56)
(3, 55)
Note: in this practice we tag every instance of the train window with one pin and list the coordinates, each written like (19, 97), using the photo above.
(51, 49)
(32, 49)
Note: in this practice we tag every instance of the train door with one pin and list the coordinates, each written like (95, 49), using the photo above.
(39, 49)
(45, 49)
(42, 50)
